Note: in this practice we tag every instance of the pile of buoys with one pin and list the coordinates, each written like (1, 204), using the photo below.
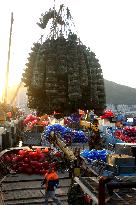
(92, 155)
(32, 161)
(66, 133)
(127, 134)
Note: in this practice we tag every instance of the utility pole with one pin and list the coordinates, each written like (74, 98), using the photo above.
(7, 71)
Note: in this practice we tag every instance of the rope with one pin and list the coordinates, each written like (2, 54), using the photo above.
(54, 27)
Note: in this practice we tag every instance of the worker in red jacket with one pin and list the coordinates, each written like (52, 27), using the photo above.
(51, 182)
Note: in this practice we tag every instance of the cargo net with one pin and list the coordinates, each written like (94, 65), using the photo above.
(5, 167)
(31, 138)
(61, 70)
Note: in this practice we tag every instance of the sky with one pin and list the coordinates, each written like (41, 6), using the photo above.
(108, 27)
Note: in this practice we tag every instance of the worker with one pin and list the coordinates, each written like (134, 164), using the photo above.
(51, 182)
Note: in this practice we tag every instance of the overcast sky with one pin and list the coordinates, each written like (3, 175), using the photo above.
(108, 27)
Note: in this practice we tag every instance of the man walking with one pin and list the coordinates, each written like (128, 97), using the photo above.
(51, 182)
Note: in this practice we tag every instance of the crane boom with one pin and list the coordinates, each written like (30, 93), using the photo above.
(11, 102)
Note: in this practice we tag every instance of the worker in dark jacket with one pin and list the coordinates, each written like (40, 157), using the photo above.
(51, 182)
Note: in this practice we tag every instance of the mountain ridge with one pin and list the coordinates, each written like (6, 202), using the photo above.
(119, 94)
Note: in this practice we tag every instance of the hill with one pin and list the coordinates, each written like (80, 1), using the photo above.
(119, 94)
